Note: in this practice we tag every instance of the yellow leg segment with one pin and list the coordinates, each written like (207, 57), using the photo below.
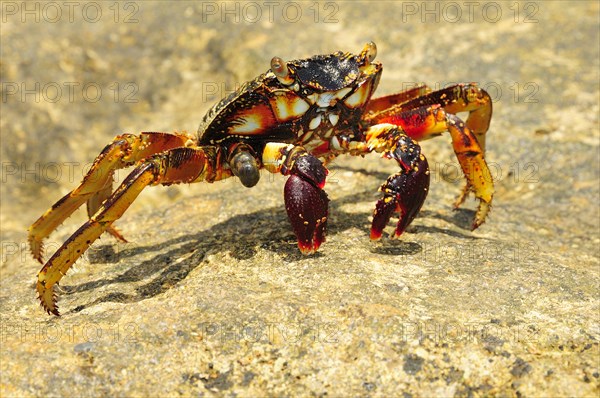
(470, 156)
(96, 187)
(386, 102)
(179, 165)
(463, 97)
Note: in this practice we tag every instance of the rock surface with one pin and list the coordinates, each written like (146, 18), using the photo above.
(211, 295)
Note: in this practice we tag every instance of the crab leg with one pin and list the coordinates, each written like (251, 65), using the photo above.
(425, 121)
(379, 104)
(305, 200)
(179, 165)
(123, 151)
(454, 99)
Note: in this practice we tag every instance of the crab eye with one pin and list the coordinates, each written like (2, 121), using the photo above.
(279, 67)
(281, 71)
(370, 51)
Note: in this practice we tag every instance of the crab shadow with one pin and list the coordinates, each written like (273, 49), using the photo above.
(178, 256)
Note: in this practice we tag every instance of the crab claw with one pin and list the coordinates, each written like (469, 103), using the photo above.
(404, 193)
(306, 202)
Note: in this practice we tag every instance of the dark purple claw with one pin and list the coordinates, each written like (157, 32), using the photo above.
(404, 193)
(306, 205)
(311, 169)
(384, 209)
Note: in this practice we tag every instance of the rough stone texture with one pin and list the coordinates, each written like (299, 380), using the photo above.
(212, 297)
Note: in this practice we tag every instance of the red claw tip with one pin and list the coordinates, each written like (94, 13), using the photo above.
(375, 235)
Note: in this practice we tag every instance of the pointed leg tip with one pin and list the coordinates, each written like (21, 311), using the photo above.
(36, 248)
(53, 310)
(482, 214)
(461, 197)
(117, 234)
(476, 224)
(47, 299)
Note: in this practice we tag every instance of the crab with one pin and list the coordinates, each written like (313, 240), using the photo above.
(293, 120)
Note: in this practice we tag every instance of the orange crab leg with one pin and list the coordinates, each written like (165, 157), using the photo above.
(179, 165)
(382, 103)
(125, 150)
(472, 99)
(421, 123)
(454, 99)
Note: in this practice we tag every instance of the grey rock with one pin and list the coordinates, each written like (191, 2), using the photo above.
(211, 295)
